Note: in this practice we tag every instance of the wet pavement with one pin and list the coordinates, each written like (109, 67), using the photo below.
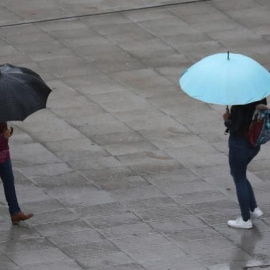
(124, 171)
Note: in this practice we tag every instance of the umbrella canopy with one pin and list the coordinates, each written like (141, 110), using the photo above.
(226, 79)
(22, 92)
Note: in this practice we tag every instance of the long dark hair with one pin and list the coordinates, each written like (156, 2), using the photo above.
(3, 126)
(247, 112)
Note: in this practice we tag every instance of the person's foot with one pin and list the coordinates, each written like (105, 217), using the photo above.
(240, 223)
(257, 212)
(15, 219)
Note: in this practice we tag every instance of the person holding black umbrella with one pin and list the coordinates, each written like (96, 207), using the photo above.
(6, 174)
(22, 92)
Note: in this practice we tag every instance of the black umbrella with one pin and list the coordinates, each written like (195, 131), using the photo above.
(22, 92)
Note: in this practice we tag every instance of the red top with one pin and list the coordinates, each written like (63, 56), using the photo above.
(4, 149)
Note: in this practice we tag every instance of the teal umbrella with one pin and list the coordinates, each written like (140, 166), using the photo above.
(226, 79)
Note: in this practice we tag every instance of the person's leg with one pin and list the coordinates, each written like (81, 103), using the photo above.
(238, 161)
(252, 200)
(243, 196)
(7, 177)
(6, 174)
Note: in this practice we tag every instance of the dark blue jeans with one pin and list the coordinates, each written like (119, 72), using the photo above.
(7, 177)
(240, 154)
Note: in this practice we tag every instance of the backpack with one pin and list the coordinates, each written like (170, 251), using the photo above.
(259, 129)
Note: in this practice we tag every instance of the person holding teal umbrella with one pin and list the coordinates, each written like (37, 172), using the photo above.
(237, 80)
(241, 152)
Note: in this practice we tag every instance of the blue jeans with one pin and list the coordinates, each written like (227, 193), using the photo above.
(240, 154)
(7, 177)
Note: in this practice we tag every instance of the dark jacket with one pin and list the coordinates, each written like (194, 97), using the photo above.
(241, 117)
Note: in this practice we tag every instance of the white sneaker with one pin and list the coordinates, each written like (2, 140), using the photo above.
(256, 213)
(240, 223)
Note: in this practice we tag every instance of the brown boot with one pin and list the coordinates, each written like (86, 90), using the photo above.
(15, 219)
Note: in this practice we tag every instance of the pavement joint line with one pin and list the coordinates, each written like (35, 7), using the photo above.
(257, 267)
(100, 13)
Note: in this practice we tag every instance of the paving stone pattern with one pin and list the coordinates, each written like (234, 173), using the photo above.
(123, 171)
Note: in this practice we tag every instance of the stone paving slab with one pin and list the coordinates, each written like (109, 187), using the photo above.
(123, 171)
